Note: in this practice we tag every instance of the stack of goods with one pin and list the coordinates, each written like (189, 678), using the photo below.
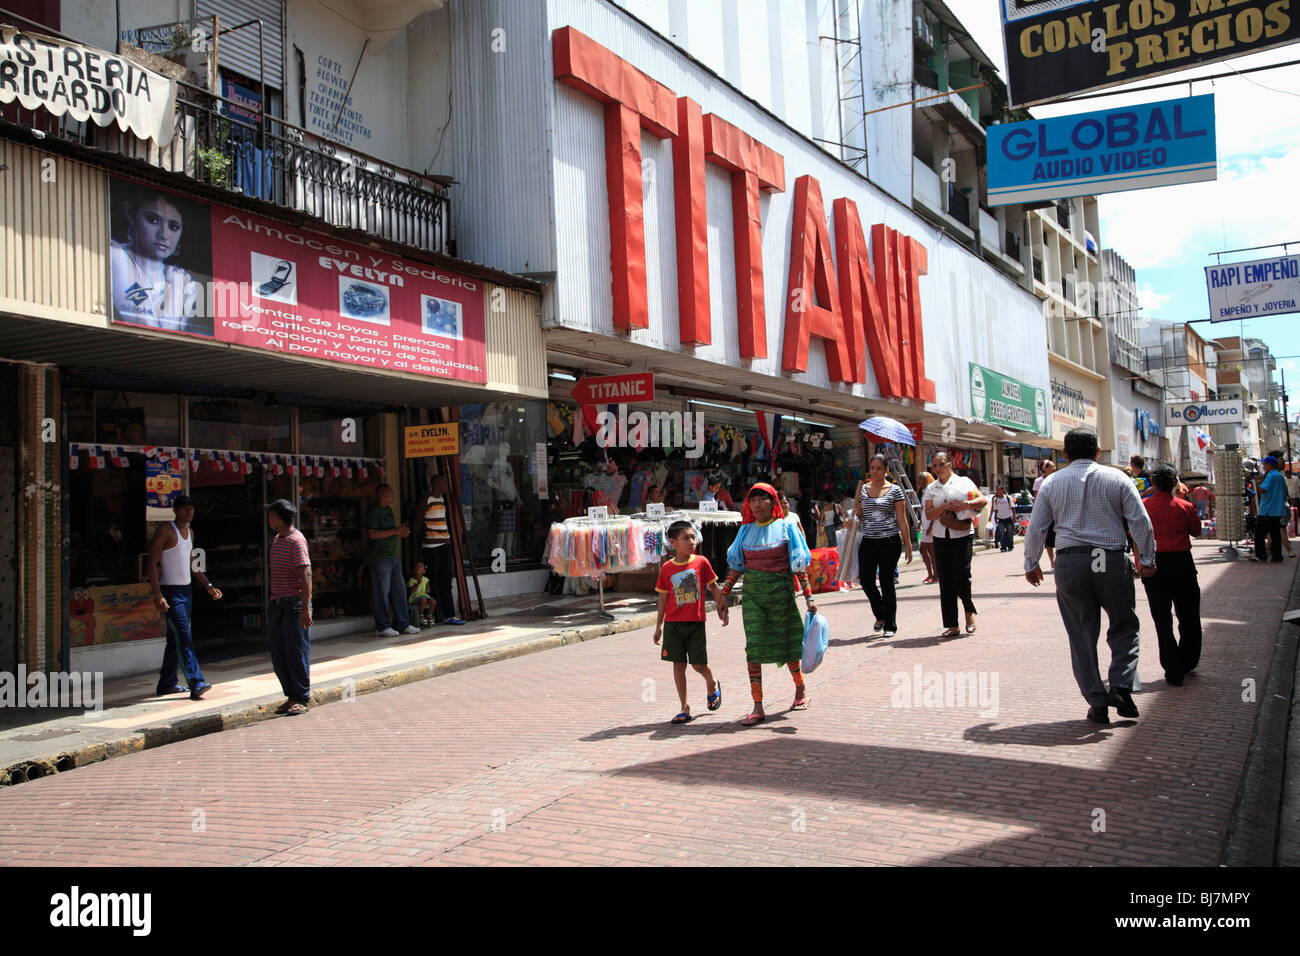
(586, 547)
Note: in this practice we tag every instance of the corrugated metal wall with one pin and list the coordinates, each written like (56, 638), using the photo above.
(238, 51)
(516, 353)
(53, 218)
(501, 131)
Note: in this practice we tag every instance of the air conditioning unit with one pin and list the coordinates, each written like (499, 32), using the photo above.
(922, 33)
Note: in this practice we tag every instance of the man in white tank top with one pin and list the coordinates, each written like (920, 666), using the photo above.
(169, 574)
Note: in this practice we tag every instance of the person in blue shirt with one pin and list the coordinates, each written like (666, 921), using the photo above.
(1272, 510)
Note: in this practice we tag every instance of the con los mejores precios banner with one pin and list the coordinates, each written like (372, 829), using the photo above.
(182, 266)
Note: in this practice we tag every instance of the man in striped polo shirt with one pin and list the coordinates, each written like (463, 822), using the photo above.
(438, 554)
(288, 616)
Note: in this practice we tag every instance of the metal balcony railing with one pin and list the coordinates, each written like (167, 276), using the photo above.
(226, 145)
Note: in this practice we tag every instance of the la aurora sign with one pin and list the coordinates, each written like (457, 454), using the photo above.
(858, 307)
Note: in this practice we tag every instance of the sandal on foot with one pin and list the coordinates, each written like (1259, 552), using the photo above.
(715, 699)
(294, 709)
(970, 623)
(749, 720)
(800, 703)
(284, 708)
(683, 718)
(951, 632)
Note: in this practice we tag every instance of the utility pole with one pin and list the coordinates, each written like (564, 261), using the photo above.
(1286, 422)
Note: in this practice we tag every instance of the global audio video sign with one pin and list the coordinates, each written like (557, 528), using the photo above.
(1060, 47)
(1138, 147)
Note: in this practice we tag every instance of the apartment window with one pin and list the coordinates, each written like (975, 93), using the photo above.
(1063, 214)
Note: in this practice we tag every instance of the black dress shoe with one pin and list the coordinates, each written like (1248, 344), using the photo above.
(1099, 715)
(1122, 700)
(1173, 680)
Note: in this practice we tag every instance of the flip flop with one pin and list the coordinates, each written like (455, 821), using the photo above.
(749, 720)
(801, 703)
(715, 699)
(951, 632)
(683, 718)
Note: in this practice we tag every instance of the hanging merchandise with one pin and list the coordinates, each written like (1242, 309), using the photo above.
(589, 547)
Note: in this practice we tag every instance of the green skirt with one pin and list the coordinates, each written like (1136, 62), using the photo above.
(773, 627)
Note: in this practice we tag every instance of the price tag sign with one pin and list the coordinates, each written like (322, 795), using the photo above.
(708, 505)
(655, 509)
(601, 511)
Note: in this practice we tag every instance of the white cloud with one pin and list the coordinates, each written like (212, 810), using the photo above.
(1182, 225)
(1150, 299)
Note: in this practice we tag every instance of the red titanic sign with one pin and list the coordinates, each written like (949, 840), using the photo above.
(612, 389)
(863, 308)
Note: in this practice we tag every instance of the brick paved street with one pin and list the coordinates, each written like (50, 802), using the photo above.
(558, 758)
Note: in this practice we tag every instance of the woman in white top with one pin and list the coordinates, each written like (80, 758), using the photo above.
(927, 539)
(883, 513)
(147, 291)
(951, 502)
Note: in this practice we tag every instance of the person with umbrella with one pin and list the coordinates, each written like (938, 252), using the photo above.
(884, 533)
(771, 551)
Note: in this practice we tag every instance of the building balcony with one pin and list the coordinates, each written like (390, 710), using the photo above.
(228, 146)
(930, 199)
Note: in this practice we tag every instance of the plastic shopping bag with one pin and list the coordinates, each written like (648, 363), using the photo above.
(816, 638)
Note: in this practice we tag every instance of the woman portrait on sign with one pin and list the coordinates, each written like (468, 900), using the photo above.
(150, 288)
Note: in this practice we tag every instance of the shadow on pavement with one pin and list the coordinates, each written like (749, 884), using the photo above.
(1058, 733)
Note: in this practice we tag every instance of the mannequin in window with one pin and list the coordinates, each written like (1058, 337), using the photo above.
(501, 479)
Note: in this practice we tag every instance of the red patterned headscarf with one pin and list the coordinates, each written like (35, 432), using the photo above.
(747, 513)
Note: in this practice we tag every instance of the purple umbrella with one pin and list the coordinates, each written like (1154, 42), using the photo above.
(887, 429)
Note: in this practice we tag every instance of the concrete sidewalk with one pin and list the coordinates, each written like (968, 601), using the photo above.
(37, 743)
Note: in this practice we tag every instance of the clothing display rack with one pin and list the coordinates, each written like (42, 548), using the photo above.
(594, 547)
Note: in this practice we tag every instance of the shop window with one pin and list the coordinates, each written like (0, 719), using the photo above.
(331, 517)
(236, 424)
(324, 431)
(123, 418)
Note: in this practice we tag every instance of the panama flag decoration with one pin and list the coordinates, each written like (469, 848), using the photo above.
(119, 457)
(1202, 439)
(769, 427)
(74, 456)
(96, 458)
(361, 468)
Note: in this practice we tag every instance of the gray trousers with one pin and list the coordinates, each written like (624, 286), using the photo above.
(1087, 582)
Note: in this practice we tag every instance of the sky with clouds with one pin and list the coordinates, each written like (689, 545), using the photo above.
(1169, 234)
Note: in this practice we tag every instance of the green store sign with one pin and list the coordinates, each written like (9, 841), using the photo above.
(1001, 400)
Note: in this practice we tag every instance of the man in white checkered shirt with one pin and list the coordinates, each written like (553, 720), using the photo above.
(1089, 504)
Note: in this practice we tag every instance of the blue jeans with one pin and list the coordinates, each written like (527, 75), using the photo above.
(290, 647)
(1006, 535)
(385, 583)
(180, 643)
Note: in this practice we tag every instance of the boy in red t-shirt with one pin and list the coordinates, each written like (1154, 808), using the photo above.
(681, 584)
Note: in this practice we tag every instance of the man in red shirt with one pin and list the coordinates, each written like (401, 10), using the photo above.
(1201, 495)
(288, 615)
(1175, 523)
(681, 585)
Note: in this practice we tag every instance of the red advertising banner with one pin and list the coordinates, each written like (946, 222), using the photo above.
(636, 387)
(214, 272)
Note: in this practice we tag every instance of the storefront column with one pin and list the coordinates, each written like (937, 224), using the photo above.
(44, 640)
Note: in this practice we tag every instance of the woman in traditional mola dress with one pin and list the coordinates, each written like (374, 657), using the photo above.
(773, 554)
